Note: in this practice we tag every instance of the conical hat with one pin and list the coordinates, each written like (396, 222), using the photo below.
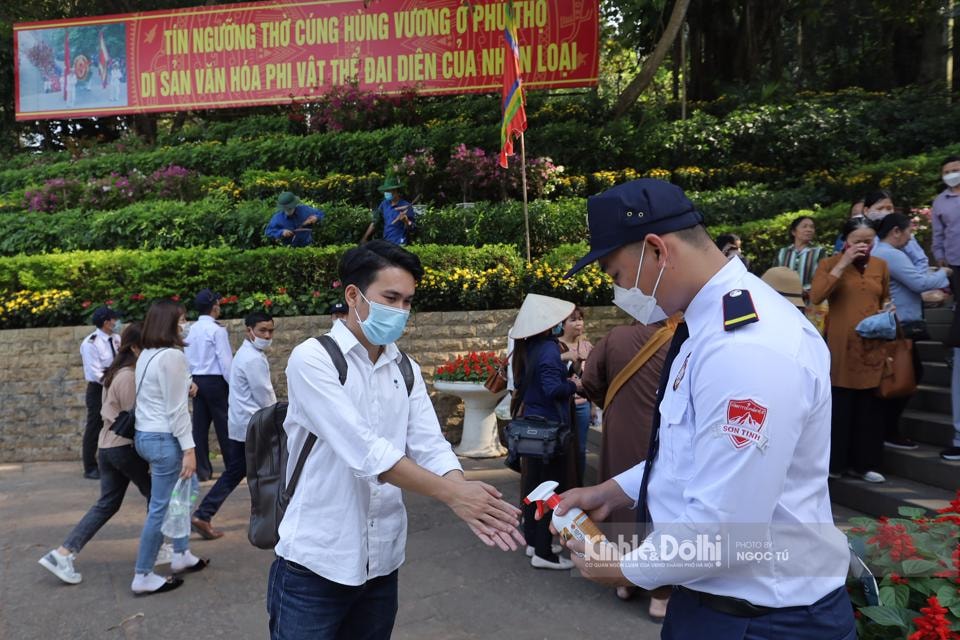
(539, 313)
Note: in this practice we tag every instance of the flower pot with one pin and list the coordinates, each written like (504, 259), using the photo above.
(480, 439)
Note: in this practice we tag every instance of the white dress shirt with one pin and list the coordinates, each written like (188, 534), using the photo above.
(162, 399)
(208, 348)
(250, 389)
(764, 491)
(96, 354)
(342, 522)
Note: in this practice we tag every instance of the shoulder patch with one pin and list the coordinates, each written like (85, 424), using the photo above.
(92, 337)
(738, 310)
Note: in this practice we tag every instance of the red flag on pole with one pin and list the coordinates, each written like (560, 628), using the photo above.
(104, 61)
(514, 115)
(66, 61)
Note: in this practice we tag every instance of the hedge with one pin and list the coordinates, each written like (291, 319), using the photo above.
(819, 132)
(64, 288)
(218, 221)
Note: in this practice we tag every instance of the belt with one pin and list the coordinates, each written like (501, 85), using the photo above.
(732, 606)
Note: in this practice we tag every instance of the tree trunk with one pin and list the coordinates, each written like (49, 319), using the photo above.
(652, 63)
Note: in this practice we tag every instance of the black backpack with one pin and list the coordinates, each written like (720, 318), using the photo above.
(267, 457)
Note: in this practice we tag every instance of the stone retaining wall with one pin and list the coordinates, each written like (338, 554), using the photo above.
(41, 379)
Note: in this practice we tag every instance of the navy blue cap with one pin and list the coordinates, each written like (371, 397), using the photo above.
(206, 298)
(628, 212)
(102, 314)
(339, 307)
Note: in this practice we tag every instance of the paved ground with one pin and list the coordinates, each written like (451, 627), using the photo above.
(451, 587)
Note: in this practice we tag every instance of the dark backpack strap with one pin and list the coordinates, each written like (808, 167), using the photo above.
(336, 355)
(406, 370)
(333, 349)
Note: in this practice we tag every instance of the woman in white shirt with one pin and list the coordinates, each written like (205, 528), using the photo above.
(164, 439)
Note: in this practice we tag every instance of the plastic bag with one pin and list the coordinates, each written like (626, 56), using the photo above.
(176, 522)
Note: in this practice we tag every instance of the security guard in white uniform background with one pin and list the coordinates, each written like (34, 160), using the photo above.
(97, 352)
(734, 490)
(210, 357)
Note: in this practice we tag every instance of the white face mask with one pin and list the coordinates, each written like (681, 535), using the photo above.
(261, 343)
(952, 179)
(640, 306)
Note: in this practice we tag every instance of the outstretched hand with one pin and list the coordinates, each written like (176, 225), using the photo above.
(480, 505)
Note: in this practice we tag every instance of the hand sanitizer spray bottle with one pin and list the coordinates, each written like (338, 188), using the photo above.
(574, 524)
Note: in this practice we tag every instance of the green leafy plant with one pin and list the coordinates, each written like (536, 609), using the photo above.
(916, 558)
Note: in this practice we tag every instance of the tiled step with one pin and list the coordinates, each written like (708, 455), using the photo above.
(938, 332)
(932, 399)
(923, 464)
(926, 427)
(942, 315)
(885, 499)
(932, 351)
(936, 374)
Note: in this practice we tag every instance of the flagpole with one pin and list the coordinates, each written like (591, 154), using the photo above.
(523, 175)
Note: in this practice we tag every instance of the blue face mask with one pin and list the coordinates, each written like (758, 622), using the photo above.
(387, 196)
(557, 331)
(384, 324)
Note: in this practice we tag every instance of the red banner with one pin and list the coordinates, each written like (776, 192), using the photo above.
(275, 52)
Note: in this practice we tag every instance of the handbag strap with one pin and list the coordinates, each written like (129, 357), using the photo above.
(663, 335)
(145, 367)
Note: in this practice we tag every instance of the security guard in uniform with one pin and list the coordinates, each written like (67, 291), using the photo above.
(97, 352)
(733, 495)
(210, 357)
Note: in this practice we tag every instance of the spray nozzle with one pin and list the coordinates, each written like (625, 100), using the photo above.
(544, 496)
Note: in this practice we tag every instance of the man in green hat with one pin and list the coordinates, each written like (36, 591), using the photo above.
(291, 224)
(397, 214)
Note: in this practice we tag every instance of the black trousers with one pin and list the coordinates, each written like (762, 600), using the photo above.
(210, 404)
(119, 466)
(856, 436)
(535, 471)
(91, 429)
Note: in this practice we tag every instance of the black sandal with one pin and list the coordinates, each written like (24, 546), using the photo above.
(172, 583)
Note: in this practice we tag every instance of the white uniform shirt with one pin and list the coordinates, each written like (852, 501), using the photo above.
(763, 492)
(250, 389)
(96, 354)
(208, 348)
(342, 523)
(164, 385)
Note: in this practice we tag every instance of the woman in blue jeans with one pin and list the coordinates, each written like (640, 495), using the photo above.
(164, 439)
(119, 464)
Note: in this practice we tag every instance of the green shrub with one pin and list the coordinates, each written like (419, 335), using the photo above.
(130, 279)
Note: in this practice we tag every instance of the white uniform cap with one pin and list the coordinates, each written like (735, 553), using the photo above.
(539, 313)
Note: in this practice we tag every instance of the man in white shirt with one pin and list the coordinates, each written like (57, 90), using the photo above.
(250, 390)
(343, 535)
(97, 352)
(734, 487)
(209, 354)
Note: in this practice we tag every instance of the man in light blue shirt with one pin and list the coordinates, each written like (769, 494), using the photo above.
(210, 357)
(250, 390)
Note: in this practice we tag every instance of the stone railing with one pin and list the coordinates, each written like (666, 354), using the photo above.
(42, 388)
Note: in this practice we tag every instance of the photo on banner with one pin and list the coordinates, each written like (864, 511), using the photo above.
(72, 68)
(260, 53)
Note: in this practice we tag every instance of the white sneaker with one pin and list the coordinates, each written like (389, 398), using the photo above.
(874, 477)
(61, 566)
(165, 555)
(562, 564)
(554, 548)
